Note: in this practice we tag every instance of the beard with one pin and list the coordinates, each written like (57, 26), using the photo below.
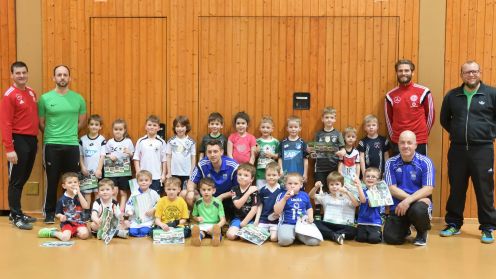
(62, 83)
(404, 79)
(472, 85)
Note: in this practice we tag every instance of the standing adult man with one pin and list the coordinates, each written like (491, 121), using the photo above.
(468, 114)
(62, 113)
(19, 125)
(222, 169)
(409, 106)
(410, 177)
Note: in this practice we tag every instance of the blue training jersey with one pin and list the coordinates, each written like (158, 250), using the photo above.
(293, 154)
(295, 207)
(409, 176)
(369, 215)
(224, 180)
(268, 199)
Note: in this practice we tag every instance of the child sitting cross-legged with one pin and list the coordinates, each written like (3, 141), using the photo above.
(141, 206)
(69, 210)
(339, 208)
(172, 211)
(208, 211)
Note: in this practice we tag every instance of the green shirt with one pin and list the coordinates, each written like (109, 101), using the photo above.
(61, 113)
(469, 96)
(271, 146)
(211, 213)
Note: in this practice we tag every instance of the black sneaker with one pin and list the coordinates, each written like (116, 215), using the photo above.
(25, 218)
(420, 239)
(19, 221)
(50, 218)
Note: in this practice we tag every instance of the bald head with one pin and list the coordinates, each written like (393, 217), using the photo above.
(408, 135)
(407, 144)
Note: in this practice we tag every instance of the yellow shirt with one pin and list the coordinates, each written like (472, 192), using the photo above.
(169, 211)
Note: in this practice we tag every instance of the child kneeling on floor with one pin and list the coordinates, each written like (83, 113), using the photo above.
(208, 211)
(291, 205)
(69, 210)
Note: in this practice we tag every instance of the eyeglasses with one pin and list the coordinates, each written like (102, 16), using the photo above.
(468, 73)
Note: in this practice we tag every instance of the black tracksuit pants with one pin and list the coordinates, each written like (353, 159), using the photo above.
(58, 159)
(26, 147)
(476, 162)
(397, 227)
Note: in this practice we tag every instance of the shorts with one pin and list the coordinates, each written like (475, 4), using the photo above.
(72, 228)
(157, 186)
(122, 182)
(269, 227)
(206, 227)
(236, 222)
(140, 232)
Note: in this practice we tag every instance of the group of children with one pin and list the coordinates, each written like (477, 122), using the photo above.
(269, 195)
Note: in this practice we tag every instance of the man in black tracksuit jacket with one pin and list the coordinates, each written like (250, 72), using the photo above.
(468, 114)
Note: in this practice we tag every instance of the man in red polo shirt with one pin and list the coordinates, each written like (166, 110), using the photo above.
(19, 126)
(409, 106)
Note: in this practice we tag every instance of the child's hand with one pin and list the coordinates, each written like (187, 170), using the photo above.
(243, 224)
(304, 178)
(127, 152)
(98, 221)
(310, 219)
(63, 218)
(199, 219)
(129, 213)
(168, 176)
(98, 173)
(112, 157)
(289, 194)
(255, 224)
(84, 171)
(252, 189)
(162, 178)
(318, 184)
(165, 227)
(149, 212)
(343, 190)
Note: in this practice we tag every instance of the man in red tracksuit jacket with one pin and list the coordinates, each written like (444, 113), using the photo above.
(19, 126)
(409, 106)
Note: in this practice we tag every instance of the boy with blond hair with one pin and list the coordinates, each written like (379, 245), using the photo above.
(373, 148)
(293, 155)
(267, 149)
(150, 154)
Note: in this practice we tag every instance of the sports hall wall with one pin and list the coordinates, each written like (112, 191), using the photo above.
(131, 58)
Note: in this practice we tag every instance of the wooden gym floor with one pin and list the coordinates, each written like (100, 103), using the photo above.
(462, 256)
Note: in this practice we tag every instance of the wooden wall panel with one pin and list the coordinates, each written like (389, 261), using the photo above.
(259, 94)
(469, 36)
(7, 57)
(128, 70)
(232, 55)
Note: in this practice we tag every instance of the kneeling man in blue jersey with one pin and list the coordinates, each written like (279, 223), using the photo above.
(220, 168)
(410, 177)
